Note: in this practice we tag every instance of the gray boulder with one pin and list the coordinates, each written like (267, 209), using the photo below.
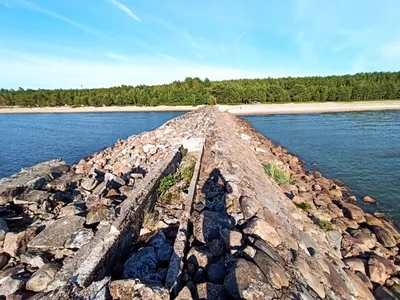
(141, 264)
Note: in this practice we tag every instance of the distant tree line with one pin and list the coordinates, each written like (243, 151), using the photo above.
(194, 91)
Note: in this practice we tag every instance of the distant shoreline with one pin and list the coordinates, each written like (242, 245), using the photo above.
(245, 109)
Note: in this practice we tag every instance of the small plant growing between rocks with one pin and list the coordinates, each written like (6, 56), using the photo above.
(166, 182)
(187, 171)
(325, 225)
(303, 205)
(276, 173)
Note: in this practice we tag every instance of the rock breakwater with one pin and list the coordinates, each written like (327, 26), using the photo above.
(190, 211)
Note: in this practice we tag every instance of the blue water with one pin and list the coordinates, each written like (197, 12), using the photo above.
(27, 139)
(361, 149)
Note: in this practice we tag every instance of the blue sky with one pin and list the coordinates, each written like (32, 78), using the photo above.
(102, 43)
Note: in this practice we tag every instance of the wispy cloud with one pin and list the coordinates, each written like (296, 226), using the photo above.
(240, 36)
(125, 9)
(62, 18)
(6, 4)
(199, 56)
(191, 40)
(117, 56)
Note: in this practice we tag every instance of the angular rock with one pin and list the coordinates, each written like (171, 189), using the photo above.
(366, 237)
(380, 269)
(208, 225)
(42, 277)
(216, 247)
(4, 258)
(3, 229)
(184, 294)
(344, 223)
(268, 250)
(385, 237)
(395, 289)
(16, 243)
(336, 194)
(197, 257)
(311, 276)
(236, 284)
(97, 214)
(263, 230)
(69, 210)
(354, 212)
(55, 235)
(274, 273)
(365, 279)
(250, 206)
(232, 239)
(141, 265)
(373, 221)
(212, 291)
(383, 293)
(216, 271)
(32, 196)
(122, 289)
(79, 238)
(335, 239)
(361, 289)
(356, 264)
(89, 183)
(164, 252)
(10, 285)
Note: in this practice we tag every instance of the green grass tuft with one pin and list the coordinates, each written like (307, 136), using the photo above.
(303, 205)
(187, 171)
(276, 173)
(325, 225)
(166, 182)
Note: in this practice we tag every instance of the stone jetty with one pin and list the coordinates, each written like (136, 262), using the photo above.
(191, 210)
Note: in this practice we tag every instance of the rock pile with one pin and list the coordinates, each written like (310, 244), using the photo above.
(251, 235)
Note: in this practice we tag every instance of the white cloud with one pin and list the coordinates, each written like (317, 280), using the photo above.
(116, 56)
(125, 9)
(62, 18)
(199, 56)
(240, 36)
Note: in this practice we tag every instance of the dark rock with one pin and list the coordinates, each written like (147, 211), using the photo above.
(383, 293)
(216, 247)
(216, 272)
(4, 258)
(158, 240)
(32, 196)
(268, 250)
(3, 229)
(210, 291)
(164, 252)
(274, 273)
(141, 265)
(236, 283)
(208, 225)
(395, 289)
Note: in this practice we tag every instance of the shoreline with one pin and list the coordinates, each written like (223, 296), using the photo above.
(246, 109)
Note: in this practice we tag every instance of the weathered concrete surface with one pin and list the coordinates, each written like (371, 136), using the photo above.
(244, 235)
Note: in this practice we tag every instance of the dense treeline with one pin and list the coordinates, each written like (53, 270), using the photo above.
(194, 91)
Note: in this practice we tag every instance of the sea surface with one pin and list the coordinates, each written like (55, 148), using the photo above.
(28, 139)
(361, 149)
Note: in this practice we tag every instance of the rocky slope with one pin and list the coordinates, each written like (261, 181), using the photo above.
(246, 237)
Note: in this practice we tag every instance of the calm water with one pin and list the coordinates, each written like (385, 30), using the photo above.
(361, 149)
(28, 139)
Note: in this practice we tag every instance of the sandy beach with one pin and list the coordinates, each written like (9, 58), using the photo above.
(285, 108)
